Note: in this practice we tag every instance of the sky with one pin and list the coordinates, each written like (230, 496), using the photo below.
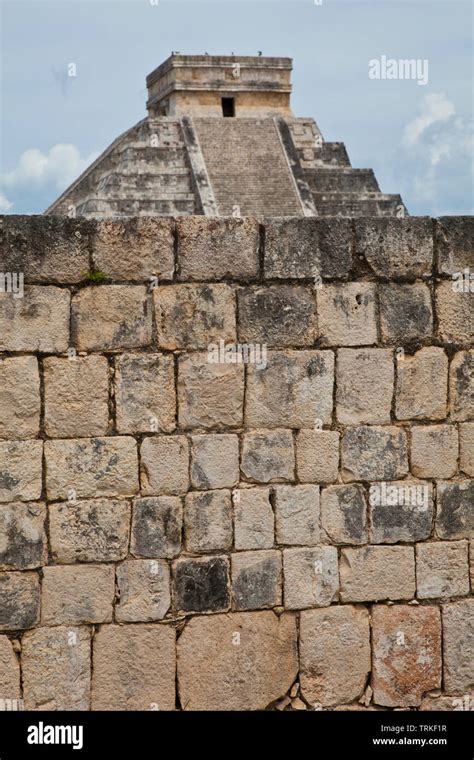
(73, 78)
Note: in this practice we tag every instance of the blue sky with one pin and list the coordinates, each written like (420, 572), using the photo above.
(417, 138)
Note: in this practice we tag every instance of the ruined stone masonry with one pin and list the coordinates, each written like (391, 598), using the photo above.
(183, 526)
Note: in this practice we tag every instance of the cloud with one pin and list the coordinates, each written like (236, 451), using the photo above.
(434, 108)
(5, 204)
(58, 168)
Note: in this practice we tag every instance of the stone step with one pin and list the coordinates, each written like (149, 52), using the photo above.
(352, 204)
(107, 209)
(341, 179)
(332, 153)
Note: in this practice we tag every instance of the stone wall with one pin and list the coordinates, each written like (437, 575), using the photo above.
(181, 529)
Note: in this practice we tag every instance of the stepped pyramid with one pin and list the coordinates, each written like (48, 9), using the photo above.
(220, 139)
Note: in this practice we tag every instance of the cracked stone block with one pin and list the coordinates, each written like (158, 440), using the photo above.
(294, 390)
(144, 590)
(466, 446)
(461, 386)
(89, 531)
(23, 543)
(204, 246)
(434, 451)
(238, 661)
(311, 577)
(317, 455)
(156, 527)
(20, 470)
(164, 465)
(401, 511)
(208, 521)
(365, 379)
(405, 312)
(442, 569)
(346, 314)
(344, 514)
(396, 247)
(268, 456)
(254, 521)
(91, 467)
(134, 668)
(214, 461)
(56, 666)
(406, 644)
(210, 395)
(455, 515)
(76, 594)
(422, 385)
(19, 600)
(111, 317)
(116, 242)
(335, 654)
(374, 453)
(201, 585)
(37, 322)
(256, 579)
(193, 316)
(19, 397)
(145, 395)
(9, 671)
(76, 396)
(376, 573)
(455, 310)
(278, 315)
(458, 646)
(454, 243)
(297, 515)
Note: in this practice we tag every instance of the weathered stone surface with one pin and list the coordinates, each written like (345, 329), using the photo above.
(295, 389)
(164, 465)
(209, 395)
(455, 515)
(76, 396)
(89, 531)
(145, 395)
(268, 456)
(111, 317)
(87, 468)
(256, 579)
(201, 585)
(156, 527)
(344, 514)
(446, 704)
(134, 249)
(374, 453)
(455, 310)
(134, 668)
(305, 248)
(75, 594)
(253, 519)
(422, 385)
(9, 671)
(442, 569)
(453, 237)
(375, 573)
(19, 397)
(214, 461)
(317, 455)
(406, 645)
(458, 646)
(37, 322)
(346, 314)
(297, 515)
(311, 577)
(365, 379)
(466, 446)
(56, 666)
(20, 470)
(203, 248)
(335, 654)
(405, 312)
(401, 511)
(239, 661)
(23, 543)
(19, 600)
(144, 590)
(208, 521)
(434, 451)
(280, 315)
(396, 247)
(193, 316)
(461, 386)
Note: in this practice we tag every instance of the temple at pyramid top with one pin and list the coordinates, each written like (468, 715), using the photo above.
(220, 139)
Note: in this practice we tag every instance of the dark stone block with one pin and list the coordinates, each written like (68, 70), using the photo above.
(202, 585)
(454, 243)
(455, 517)
(405, 312)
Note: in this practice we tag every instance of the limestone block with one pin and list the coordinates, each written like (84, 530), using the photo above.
(374, 453)
(256, 579)
(454, 243)
(455, 515)
(164, 465)
(145, 395)
(144, 590)
(297, 515)
(19, 600)
(458, 646)
(461, 386)
(317, 455)
(344, 514)
(405, 312)
(396, 247)
(213, 249)
(455, 310)
(268, 456)
(376, 573)
(466, 446)
(442, 569)
(253, 519)
(76, 594)
(134, 249)
(37, 322)
(280, 315)
(19, 397)
(20, 470)
(156, 527)
(208, 521)
(201, 585)
(9, 671)
(365, 379)
(422, 385)
(23, 543)
(214, 461)
(111, 317)
(209, 395)
(434, 451)
(311, 577)
(401, 511)
(346, 314)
